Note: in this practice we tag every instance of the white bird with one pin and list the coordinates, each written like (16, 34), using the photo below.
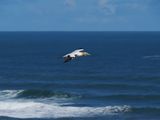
(74, 54)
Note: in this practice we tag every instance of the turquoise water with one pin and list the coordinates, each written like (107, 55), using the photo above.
(119, 81)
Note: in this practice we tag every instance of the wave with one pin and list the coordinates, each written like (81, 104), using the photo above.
(6, 94)
(45, 94)
(33, 94)
(152, 57)
(128, 97)
(42, 94)
(30, 109)
(114, 86)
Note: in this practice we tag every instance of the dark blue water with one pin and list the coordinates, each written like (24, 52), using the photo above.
(119, 81)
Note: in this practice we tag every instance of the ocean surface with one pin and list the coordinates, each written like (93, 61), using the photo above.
(120, 80)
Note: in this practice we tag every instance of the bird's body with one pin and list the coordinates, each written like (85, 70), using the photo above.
(74, 54)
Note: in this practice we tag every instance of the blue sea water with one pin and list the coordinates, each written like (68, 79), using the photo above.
(120, 80)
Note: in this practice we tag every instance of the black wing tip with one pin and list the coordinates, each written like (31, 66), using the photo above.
(67, 59)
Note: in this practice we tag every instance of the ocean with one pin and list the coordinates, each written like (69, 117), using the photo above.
(120, 80)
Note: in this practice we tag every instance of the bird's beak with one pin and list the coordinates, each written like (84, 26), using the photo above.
(86, 53)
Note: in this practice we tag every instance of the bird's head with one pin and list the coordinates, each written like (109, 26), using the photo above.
(85, 53)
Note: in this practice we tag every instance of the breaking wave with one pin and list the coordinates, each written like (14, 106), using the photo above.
(31, 109)
(28, 104)
(6, 94)
(33, 94)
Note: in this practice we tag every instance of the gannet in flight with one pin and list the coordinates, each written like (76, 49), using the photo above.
(74, 54)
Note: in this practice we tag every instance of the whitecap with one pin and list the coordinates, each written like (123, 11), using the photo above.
(6, 94)
(32, 109)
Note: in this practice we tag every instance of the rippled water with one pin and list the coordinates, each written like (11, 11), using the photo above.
(119, 81)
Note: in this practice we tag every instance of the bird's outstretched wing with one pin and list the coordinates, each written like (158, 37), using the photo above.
(79, 50)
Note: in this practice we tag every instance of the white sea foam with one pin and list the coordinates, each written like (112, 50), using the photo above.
(32, 109)
(4, 94)
(21, 108)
